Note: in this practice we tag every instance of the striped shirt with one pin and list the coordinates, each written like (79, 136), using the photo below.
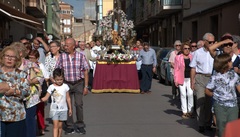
(73, 67)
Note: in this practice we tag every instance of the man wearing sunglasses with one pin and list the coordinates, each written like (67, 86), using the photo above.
(226, 45)
(201, 70)
(193, 47)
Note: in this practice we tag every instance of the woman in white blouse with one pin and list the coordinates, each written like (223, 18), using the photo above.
(52, 57)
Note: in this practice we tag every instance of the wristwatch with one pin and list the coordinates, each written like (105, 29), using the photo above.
(86, 87)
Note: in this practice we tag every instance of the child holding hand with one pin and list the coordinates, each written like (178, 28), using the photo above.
(61, 102)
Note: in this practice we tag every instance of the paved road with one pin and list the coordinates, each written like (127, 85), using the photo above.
(134, 115)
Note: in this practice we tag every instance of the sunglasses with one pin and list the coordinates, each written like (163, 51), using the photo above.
(177, 45)
(186, 48)
(194, 46)
(228, 44)
(210, 42)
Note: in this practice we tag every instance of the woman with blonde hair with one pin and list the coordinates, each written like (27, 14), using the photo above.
(14, 88)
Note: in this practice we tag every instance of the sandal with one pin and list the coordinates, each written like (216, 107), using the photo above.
(190, 115)
(185, 116)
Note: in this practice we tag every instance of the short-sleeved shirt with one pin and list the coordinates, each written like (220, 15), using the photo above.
(224, 88)
(202, 61)
(58, 96)
(73, 67)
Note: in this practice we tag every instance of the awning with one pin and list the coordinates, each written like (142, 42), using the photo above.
(21, 18)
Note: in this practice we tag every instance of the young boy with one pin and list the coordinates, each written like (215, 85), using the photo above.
(61, 102)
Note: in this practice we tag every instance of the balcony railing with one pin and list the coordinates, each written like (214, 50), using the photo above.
(171, 2)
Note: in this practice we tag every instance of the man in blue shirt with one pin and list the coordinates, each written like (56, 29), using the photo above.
(149, 62)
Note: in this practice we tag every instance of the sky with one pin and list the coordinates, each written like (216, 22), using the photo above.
(78, 6)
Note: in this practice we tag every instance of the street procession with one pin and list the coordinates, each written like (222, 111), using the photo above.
(119, 68)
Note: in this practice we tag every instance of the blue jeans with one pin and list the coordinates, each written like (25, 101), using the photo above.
(13, 129)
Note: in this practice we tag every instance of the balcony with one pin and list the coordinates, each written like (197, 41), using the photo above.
(36, 8)
(171, 4)
(158, 9)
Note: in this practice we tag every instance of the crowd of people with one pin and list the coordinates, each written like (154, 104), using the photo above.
(207, 71)
(33, 73)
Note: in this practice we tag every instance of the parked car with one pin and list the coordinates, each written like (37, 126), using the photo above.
(163, 66)
(156, 48)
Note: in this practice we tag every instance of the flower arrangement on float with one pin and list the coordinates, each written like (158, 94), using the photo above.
(117, 57)
(125, 25)
(117, 32)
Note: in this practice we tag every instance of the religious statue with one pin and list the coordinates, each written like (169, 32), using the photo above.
(117, 40)
(115, 26)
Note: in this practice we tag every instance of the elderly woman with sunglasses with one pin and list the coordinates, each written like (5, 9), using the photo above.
(182, 79)
(226, 45)
(13, 89)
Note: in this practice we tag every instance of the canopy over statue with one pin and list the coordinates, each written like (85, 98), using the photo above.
(117, 30)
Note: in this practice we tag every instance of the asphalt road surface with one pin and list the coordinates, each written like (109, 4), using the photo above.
(134, 115)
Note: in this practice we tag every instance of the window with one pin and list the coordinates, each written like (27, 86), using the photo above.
(67, 30)
(214, 26)
(68, 22)
(195, 31)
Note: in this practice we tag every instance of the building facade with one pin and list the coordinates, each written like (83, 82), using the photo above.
(161, 22)
(217, 17)
(16, 22)
(83, 29)
(52, 22)
(66, 17)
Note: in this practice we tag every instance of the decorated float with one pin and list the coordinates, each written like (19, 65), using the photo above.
(116, 68)
(117, 36)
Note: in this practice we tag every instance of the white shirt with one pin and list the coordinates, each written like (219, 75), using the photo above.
(138, 64)
(58, 96)
(94, 54)
(44, 71)
(202, 61)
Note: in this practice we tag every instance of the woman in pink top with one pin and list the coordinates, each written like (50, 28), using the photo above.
(182, 79)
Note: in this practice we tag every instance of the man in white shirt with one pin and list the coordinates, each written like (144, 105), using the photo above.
(201, 70)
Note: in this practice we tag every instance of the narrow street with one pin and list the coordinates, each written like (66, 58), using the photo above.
(134, 115)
